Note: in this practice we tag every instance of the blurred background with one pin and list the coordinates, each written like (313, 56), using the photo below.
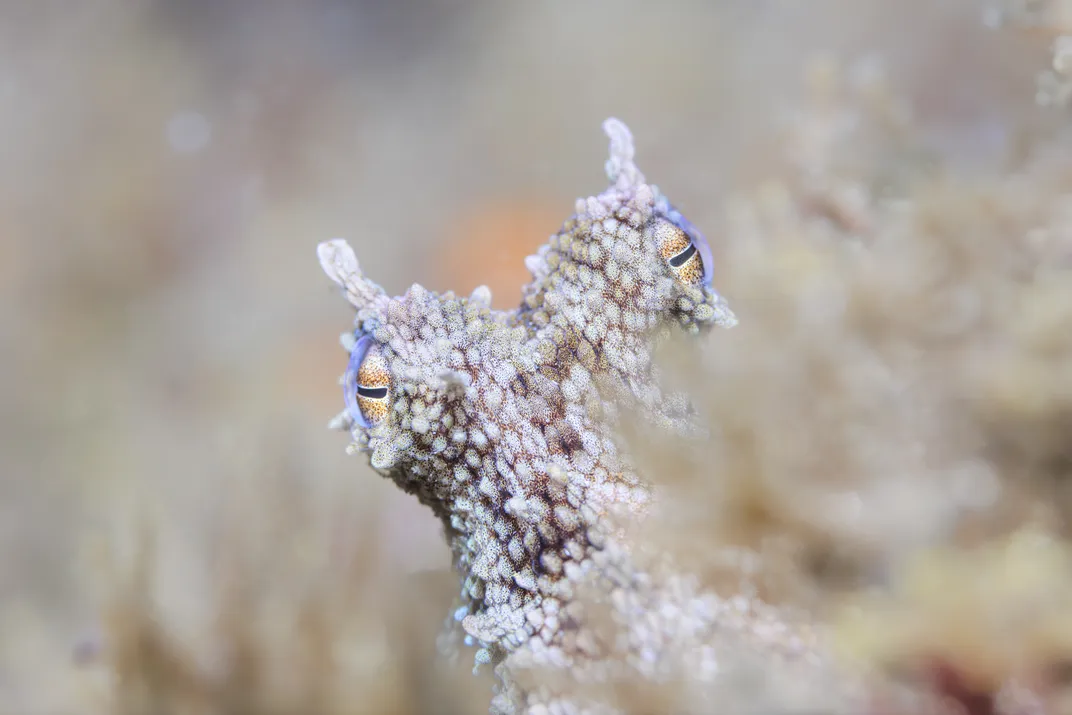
(170, 345)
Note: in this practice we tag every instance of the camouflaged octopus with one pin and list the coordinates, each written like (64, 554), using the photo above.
(502, 422)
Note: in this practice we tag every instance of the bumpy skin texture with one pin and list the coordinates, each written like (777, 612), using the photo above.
(502, 422)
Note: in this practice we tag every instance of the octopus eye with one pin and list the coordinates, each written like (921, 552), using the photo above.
(684, 249)
(367, 385)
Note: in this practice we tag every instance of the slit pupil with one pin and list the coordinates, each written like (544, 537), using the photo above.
(372, 393)
(679, 260)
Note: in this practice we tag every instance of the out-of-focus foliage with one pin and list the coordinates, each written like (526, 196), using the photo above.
(984, 615)
(889, 209)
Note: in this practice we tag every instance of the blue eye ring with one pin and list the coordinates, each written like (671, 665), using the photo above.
(699, 241)
(349, 388)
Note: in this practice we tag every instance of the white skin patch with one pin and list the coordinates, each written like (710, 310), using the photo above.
(501, 421)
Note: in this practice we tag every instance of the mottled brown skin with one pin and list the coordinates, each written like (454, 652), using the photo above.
(502, 422)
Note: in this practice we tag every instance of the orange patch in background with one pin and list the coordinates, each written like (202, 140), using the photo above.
(488, 246)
